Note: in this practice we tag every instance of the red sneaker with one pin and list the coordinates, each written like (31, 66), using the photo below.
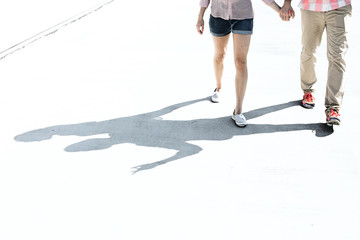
(332, 117)
(308, 101)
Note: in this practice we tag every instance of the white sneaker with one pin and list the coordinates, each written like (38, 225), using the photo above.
(239, 119)
(215, 96)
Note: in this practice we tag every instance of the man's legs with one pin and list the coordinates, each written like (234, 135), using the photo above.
(313, 24)
(336, 29)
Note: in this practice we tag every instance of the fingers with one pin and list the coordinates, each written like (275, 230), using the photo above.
(286, 16)
(200, 29)
(292, 13)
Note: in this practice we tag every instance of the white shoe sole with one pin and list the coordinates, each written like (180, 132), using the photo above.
(214, 100)
(237, 123)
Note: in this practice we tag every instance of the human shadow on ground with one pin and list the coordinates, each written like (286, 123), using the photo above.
(150, 130)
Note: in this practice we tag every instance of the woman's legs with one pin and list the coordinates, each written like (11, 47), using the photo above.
(220, 44)
(241, 48)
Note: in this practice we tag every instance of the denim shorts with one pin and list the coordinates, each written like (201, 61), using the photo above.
(220, 27)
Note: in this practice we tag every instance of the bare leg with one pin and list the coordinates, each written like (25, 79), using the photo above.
(220, 44)
(241, 48)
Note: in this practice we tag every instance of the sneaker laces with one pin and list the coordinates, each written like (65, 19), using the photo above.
(333, 114)
(308, 97)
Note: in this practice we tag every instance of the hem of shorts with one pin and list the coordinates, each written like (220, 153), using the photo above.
(242, 32)
(220, 34)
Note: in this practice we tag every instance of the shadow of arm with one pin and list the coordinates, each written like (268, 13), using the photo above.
(185, 150)
(171, 108)
(82, 129)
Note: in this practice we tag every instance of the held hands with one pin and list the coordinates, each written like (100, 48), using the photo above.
(286, 12)
(286, 15)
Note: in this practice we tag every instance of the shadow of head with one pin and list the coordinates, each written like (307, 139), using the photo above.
(150, 130)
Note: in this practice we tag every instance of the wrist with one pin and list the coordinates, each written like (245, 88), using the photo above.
(287, 3)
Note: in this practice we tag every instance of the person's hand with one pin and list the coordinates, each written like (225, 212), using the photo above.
(200, 26)
(291, 13)
(286, 12)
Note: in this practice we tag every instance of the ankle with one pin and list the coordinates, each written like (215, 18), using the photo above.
(237, 112)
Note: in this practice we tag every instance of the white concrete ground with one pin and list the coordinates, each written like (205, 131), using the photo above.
(107, 133)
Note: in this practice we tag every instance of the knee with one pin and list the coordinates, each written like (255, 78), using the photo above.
(338, 61)
(308, 52)
(240, 64)
(219, 57)
(308, 55)
(337, 53)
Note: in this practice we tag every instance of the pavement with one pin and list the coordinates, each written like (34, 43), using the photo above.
(108, 131)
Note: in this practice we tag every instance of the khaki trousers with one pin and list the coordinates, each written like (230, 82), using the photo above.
(313, 25)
